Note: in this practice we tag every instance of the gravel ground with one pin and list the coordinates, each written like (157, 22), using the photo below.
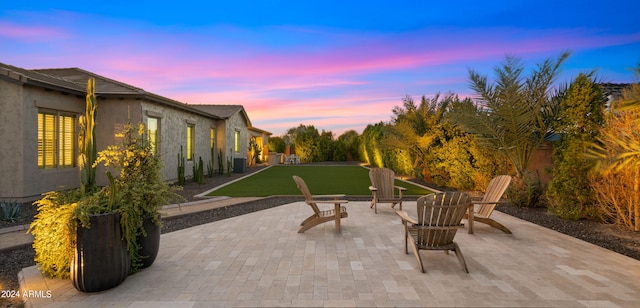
(607, 236)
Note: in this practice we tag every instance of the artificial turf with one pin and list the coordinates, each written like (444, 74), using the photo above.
(321, 180)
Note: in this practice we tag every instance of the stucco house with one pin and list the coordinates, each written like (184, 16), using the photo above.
(39, 111)
(236, 116)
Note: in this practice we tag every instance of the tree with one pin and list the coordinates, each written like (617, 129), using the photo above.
(346, 146)
(309, 144)
(416, 128)
(370, 150)
(440, 150)
(277, 144)
(581, 116)
(326, 146)
(513, 116)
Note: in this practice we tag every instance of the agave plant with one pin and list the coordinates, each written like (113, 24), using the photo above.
(10, 210)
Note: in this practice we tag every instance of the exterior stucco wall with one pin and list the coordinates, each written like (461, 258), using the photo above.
(221, 143)
(236, 122)
(19, 139)
(112, 115)
(173, 134)
(12, 142)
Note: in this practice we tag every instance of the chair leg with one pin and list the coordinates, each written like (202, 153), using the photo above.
(458, 253)
(310, 224)
(310, 218)
(416, 252)
(406, 239)
(493, 223)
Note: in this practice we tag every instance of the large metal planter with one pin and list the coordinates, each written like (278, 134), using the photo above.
(100, 260)
(149, 245)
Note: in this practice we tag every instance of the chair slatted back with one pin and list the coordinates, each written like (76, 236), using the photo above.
(439, 217)
(383, 179)
(496, 188)
(308, 198)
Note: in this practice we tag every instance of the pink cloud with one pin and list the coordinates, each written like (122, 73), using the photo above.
(31, 33)
(380, 55)
(155, 65)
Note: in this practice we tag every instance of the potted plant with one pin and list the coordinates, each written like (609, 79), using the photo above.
(141, 190)
(100, 258)
(72, 239)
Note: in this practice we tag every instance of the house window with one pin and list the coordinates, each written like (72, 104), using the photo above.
(190, 141)
(152, 134)
(56, 140)
(237, 139)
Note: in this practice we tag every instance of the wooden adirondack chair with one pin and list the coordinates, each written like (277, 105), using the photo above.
(482, 207)
(439, 217)
(320, 216)
(382, 188)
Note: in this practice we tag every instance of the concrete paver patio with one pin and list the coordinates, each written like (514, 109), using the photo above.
(259, 259)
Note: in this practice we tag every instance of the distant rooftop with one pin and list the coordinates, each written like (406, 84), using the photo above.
(613, 91)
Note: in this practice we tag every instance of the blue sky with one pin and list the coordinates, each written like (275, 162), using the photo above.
(337, 65)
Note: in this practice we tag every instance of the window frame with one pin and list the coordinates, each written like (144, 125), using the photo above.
(153, 136)
(56, 138)
(237, 141)
(191, 134)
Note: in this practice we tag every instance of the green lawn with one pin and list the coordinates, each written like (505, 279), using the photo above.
(321, 180)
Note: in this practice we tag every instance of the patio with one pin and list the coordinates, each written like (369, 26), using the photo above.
(259, 259)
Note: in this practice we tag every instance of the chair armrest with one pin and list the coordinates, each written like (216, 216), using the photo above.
(372, 188)
(405, 217)
(328, 196)
(331, 201)
(491, 202)
(400, 188)
(417, 226)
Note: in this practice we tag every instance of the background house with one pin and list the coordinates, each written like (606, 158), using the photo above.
(238, 125)
(39, 112)
(261, 138)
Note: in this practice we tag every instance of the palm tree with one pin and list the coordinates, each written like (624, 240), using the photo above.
(619, 146)
(513, 116)
(416, 128)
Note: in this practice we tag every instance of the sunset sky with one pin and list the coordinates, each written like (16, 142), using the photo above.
(337, 65)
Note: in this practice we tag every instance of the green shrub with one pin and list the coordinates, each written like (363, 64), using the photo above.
(569, 193)
(370, 150)
(581, 115)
